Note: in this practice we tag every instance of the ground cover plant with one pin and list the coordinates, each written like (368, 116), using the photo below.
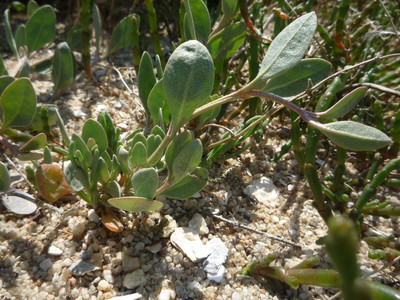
(233, 69)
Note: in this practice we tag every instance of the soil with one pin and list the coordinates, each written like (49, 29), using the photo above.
(28, 271)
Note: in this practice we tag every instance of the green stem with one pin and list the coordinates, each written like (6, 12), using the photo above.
(379, 178)
(85, 23)
(154, 30)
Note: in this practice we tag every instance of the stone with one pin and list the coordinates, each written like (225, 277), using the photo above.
(130, 263)
(93, 216)
(82, 267)
(46, 264)
(263, 190)
(170, 226)
(199, 224)
(133, 296)
(166, 294)
(54, 251)
(77, 226)
(188, 241)
(134, 279)
(103, 285)
(213, 265)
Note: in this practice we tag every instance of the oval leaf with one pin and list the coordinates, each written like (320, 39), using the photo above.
(176, 146)
(111, 221)
(200, 18)
(121, 36)
(51, 182)
(5, 180)
(295, 80)
(354, 136)
(37, 142)
(188, 80)
(19, 205)
(157, 105)
(187, 159)
(18, 103)
(40, 28)
(227, 41)
(145, 183)
(138, 155)
(286, 49)
(32, 7)
(9, 34)
(62, 71)
(189, 185)
(135, 204)
(5, 81)
(344, 105)
(146, 78)
(93, 129)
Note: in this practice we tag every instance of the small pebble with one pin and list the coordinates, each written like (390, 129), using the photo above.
(53, 250)
(199, 224)
(188, 241)
(263, 190)
(134, 279)
(46, 264)
(103, 285)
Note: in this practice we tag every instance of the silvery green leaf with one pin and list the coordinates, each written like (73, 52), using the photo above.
(40, 28)
(93, 129)
(197, 19)
(37, 142)
(344, 105)
(189, 185)
(75, 177)
(296, 79)
(153, 141)
(146, 78)
(353, 136)
(176, 146)
(188, 80)
(18, 103)
(158, 107)
(187, 159)
(5, 180)
(138, 155)
(113, 189)
(226, 42)
(62, 70)
(135, 204)
(123, 159)
(79, 144)
(286, 49)
(145, 183)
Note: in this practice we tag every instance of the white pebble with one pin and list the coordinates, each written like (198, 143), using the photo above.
(53, 250)
(199, 224)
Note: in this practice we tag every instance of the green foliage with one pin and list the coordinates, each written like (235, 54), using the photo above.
(5, 180)
(197, 21)
(147, 79)
(226, 42)
(18, 104)
(354, 136)
(296, 79)
(287, 49)
(40, 28)
(188, 80)
(62, 68)
(121, 36)
(187, 126)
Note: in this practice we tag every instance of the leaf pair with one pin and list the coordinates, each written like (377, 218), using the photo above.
(37, 32)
